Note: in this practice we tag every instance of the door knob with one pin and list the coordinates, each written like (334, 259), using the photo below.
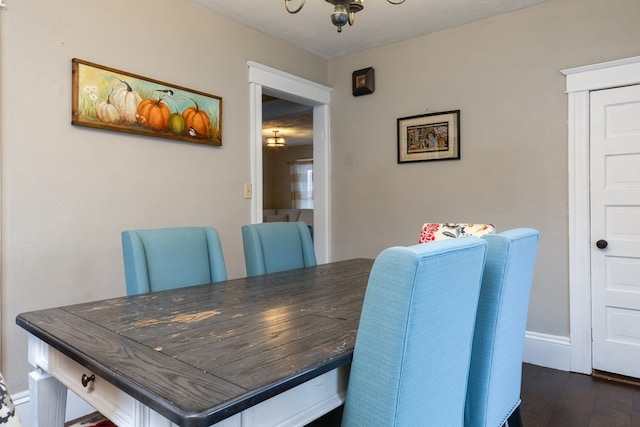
(601, 244)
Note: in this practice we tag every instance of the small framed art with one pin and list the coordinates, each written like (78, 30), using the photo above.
(363, 81)
(434, 136)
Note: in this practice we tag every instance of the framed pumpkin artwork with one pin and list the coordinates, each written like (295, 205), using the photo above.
(106, 98)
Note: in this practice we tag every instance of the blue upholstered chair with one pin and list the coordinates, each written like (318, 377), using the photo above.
(412, 351)
(8, 415)
(165, 258)
(493, 394)
(277, 246)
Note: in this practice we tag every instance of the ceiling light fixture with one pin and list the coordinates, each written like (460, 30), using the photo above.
(344, 11)
(275, 140)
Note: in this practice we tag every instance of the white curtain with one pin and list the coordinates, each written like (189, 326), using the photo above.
(301, 172)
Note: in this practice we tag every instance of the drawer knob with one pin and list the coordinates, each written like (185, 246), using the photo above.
(86, 379)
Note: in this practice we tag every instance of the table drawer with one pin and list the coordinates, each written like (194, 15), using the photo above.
(302, 404)
(113, 403)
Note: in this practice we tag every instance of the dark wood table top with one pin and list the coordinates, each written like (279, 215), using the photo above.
(198, 355)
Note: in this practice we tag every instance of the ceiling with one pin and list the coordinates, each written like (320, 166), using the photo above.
(291, 120)
(380, 23)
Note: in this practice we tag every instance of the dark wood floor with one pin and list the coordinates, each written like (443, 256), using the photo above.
(552, 398)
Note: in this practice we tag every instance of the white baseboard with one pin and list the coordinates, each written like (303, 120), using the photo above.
(22, 402)
(550, 351)
(76, 407)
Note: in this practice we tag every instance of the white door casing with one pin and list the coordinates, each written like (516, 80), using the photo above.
(615, 237)
(580, 82)
(301, 91)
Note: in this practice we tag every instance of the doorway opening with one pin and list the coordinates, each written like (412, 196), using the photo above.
(287, 168)
(265, 80)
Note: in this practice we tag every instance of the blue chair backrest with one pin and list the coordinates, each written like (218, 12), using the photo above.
(277, 246)
(498, 343)
(412, 351)
(168, 258)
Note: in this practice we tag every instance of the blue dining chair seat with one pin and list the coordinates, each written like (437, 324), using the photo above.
(277, 246)
(493, 394)
(412, 350)
(167, 258)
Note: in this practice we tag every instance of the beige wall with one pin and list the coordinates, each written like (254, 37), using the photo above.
(276, 174)
(504, 75)
(68, 192)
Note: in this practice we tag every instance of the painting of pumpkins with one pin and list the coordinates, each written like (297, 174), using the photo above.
(106, 98)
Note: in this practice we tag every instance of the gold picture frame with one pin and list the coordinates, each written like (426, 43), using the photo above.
(111, 99)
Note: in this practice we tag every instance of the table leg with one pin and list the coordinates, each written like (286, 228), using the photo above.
(48, 399)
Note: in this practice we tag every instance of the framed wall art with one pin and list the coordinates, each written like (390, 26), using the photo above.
(434, 136)
(363, 81)
(106, 98)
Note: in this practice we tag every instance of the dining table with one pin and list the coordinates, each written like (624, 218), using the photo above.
(256, 351)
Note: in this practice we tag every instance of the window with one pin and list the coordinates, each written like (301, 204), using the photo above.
(302, 184)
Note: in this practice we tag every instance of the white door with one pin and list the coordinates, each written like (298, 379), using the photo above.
(615, 229)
